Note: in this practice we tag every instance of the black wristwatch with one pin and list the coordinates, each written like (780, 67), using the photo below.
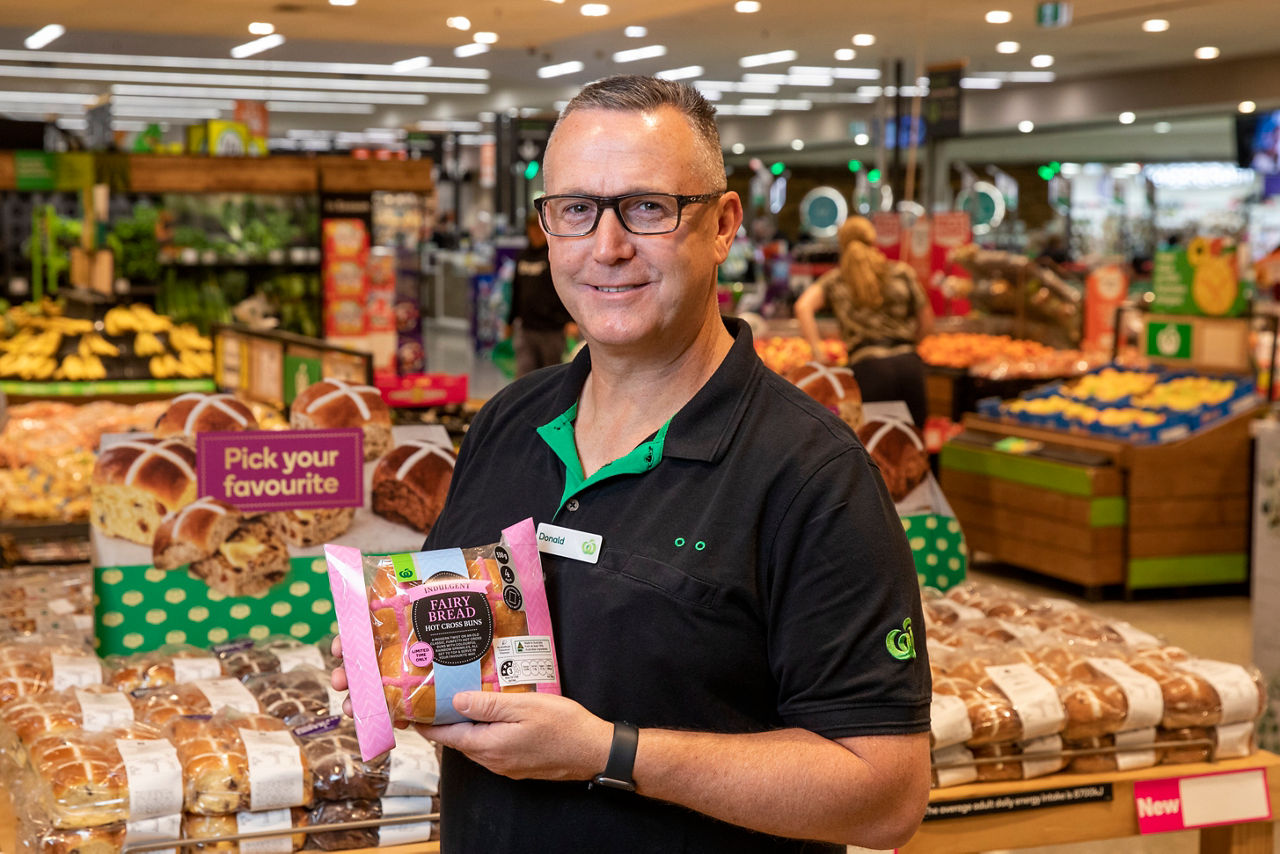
(622, 759)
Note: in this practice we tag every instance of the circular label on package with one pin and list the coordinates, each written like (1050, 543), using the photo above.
(421, 655)
(457, 624)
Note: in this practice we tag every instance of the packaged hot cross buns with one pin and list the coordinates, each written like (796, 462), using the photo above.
(419, 628)
(339, 774)
(158, 706)
(295, 695)
(95, 708)
(51, 664)
(171, 664)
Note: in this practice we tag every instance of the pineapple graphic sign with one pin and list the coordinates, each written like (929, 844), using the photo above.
(1200, 279)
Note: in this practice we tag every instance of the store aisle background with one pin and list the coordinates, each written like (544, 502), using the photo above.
(1211, 626)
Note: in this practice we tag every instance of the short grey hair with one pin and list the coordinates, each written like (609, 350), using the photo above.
(635, 93)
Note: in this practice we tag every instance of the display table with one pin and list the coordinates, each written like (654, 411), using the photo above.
(1085, 822)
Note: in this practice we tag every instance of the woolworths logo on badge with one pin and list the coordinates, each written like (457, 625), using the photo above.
(901, 643)
(566, 542)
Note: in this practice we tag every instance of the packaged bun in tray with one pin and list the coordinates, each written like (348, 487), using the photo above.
(245, 657)
(295, 695)
(95, 708)
(1006, 698)
(171, 664)
(338, 773)
(32, 666)
(158, 706)
(338, 812)
(283, 820)
(451, 619)
(1199, 692)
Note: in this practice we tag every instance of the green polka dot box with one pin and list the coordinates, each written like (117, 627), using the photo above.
(936, 540)
(138, 607)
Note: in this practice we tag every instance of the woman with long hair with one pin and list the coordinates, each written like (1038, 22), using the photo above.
(882, 312)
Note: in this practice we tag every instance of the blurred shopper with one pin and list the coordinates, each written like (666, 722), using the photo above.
(537, 320)
(882, 311)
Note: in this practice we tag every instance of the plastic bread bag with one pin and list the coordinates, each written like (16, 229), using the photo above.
(95, 709)
(1021, 760)
(33, 665)
(295, 695)
(37, 836)
(159, 706)
(1188, 744)
(339, 773)
(281, 820)
(1121, 751)
(172, 664)
(245, 657)
(233, 762)
(85, 779)
(1200, 692)
(1007, 698)
(419, 628)
(334, 812)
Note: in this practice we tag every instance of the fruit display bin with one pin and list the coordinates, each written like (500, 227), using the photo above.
(1102, 512)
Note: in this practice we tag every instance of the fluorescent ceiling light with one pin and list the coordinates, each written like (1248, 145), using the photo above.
(240, 51)
(1026, 126)
(1246, 106)
(999, 16)
(747, 7)
(731, 86)
(25, 95)
(458, 22)
(247, 80)
(680, 73)
(737, 148)
(839, 73)
(413, 63)
(1162, 127)
(980, 83)
(593, 10)
(275, 66)
(318, 107)
(777, 103)
(864, 40)
(1041, 60)
(1127, 118)
(1207, 52)
(836, 98)
(739, 110)
(1027, 76)
(846, 54)
(1155, 25)
(1008, 47)
(636, 32)
(261, 28)
(560, 69)
(473, 49)
(451, 125)
(756, 60)
(652, 51)
(485, 37)
(265, 94)
(43, 36)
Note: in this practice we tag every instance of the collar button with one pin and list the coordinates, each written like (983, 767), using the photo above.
(571, 505)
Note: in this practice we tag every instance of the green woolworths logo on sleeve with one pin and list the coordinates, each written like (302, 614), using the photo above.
(901, 643)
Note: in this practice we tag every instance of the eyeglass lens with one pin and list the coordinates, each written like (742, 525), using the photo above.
(649, 214)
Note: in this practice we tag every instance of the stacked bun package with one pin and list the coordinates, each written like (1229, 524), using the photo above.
(1025, 686)
(419, 628)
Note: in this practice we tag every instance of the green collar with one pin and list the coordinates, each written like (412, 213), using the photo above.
(559, 436)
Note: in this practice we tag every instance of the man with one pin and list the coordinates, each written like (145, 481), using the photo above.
(751, 606)
(537, 320)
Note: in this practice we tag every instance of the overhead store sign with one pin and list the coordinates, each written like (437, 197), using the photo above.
(1053, 14)
(943, 105)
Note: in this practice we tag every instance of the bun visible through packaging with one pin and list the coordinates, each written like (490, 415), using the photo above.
(419, 628)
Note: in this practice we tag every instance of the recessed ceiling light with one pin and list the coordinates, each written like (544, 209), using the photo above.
(261, 28)
(1162, 127)
(485, 37)
(1127, 118)
(240, 51)
(1008, 47)
(1207, 52)
(1246, 106)
(43, 36)
(680, 73)
(756, 60)
(1041, 60)
(864, 40)
(413, 63)
(845, 54)
(652, 51)
(861, 139)
(458, 22)
(636, 32)
(560, 69)
(473, 49)
(738, 148)
(594, 10)
(342, 2)
(1026, 126)
(999, 16)
(797, 145)
(1155, 25)
(746, 7)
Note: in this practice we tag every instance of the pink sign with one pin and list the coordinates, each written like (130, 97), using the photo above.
(1203, 800)
(264, 470)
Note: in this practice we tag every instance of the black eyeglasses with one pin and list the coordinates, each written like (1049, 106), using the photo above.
(639, 213)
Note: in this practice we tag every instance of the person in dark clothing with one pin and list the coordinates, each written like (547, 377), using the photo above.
(537, 320)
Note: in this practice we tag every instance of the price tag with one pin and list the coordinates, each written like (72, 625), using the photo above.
(1181, 803)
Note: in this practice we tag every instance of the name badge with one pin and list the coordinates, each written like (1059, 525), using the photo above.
(566, 542)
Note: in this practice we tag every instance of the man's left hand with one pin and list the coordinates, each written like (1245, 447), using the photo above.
(527, 736)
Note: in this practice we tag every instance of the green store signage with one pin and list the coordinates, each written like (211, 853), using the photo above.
(1199, 280)
(1169, 340)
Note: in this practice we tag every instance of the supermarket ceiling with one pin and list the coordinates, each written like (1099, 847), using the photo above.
(361, 66)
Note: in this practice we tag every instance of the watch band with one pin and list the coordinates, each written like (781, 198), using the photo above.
(622, 759)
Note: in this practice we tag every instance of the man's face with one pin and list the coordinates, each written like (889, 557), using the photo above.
(630, 292)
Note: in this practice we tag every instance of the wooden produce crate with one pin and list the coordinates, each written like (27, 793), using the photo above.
(1099, 512)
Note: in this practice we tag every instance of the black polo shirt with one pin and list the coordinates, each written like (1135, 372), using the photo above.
(753, 575)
